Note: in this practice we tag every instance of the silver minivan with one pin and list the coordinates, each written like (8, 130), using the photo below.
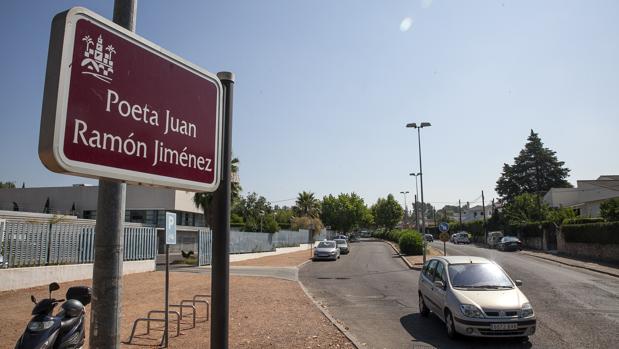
(474, 297)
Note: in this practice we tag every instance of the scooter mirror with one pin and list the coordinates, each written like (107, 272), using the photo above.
(54, 286)
(33, 299)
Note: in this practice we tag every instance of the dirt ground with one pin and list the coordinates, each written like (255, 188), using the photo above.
(281, 260)
(418, 260)
(264, 312)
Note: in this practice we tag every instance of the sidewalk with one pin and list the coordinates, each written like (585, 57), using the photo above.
(245, 256)
(604, 269)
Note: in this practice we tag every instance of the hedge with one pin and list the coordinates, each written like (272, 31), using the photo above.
(582, 220)
(411, 243)
(600, 233)
(392, 235)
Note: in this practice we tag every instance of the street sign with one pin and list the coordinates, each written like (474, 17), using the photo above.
(170, 228)
(444, 237)
(118, 106)
(443, 227)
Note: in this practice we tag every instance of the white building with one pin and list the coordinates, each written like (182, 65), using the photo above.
(146, 205)
(586, 198)
(471, 214)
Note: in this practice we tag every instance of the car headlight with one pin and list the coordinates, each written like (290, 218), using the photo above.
(332, 252)
(470, 310)
(40, 325)
(527, 310)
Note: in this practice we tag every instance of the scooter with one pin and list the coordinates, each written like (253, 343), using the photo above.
(65, 330)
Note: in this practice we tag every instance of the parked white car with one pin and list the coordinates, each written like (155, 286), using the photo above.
(475, 297)
(493, 238)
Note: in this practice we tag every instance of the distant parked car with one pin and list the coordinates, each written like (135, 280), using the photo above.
(494, 237)
(341, 236)
(353, 238)
(461, 238)
(326, 250)
(429, 237)
(342, 245)
(509, 243)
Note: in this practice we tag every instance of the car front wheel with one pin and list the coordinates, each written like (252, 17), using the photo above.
(449, 325)
(423, 310)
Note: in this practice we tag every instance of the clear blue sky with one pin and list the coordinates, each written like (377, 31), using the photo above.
(324, 88)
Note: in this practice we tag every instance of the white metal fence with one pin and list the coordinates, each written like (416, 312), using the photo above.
(28, 244)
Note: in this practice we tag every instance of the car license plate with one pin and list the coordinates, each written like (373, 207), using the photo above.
(499, 327)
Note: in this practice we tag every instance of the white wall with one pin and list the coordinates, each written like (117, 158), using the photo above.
(16, 278)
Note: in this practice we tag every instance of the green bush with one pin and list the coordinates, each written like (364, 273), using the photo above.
(600, 233)
(609, 209)
(582, 220)
(411, 243)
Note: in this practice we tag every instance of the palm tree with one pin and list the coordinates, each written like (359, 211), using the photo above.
(307, 205)
(110, 49)
(204, 200)
(88, 41)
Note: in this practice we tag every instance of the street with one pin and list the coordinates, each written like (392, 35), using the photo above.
(373, 293)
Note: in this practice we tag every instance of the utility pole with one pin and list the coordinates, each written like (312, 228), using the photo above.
(405, 207)
(483, 208)
(108, 264)
(460, 211)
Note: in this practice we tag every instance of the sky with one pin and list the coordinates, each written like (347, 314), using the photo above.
(325, 88)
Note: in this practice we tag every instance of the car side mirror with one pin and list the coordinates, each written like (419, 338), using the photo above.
(518, 282)
(439, 284)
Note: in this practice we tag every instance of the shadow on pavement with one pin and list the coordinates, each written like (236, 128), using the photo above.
(431, 330)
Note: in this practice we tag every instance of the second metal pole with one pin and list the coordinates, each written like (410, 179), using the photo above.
(220, 284)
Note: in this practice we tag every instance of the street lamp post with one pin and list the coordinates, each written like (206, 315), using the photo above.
(423, 218)
(416, 196)
(405, 207)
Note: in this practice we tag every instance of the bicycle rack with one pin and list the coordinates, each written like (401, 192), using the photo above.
(174, 312)
(194, 302)
(193, 307)
(185, 303)
(196, 299)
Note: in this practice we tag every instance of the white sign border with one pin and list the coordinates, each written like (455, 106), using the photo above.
(65, 165)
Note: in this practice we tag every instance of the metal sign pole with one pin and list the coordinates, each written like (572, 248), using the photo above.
(220, 275)
(170, 239)
(108, 263)
(167, 294)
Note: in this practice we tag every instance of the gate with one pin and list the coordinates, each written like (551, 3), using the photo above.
(205, 240)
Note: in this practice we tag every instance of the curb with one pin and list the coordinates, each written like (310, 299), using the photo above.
(355, 342)
(408, 263)
(572, 265)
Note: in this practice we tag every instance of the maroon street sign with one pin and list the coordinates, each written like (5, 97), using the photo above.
(118, 106)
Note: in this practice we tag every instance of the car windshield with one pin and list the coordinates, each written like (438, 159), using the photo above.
(326, 244)
(340, 242)
(509, 238)
(478, 275)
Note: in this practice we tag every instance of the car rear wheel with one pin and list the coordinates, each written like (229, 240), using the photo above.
(449, 325)
(423, 310)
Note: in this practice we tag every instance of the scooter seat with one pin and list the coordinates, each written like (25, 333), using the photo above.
(67, 324)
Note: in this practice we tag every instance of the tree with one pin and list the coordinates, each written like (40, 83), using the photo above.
(204, 200)
(525, 208)
(535, 170)
(283, 215)
(7, 185)
(345, 212)
(307, 205)
(609, 209)
(387, 212)
(253, 209)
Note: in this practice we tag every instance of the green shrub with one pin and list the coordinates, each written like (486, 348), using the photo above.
(600, 233)
(609, 209)
(411, 243)
(583, 220)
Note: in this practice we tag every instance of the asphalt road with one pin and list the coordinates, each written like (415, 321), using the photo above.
(374, 294)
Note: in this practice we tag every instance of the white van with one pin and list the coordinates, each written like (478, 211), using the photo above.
(494, 237)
